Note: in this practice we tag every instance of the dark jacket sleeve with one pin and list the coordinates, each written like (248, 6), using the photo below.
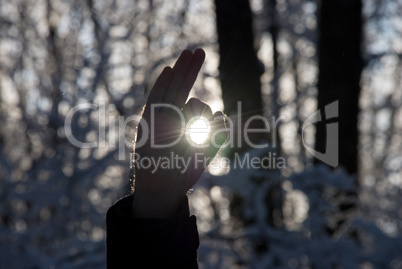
(150, 243)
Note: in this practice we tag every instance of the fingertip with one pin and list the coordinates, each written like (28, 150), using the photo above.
(167, 70)
(200, 53)
(165, 75)
(184, 61)
(218, 114)
(186, 53)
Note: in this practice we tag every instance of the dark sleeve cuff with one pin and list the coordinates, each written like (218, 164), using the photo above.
(166, 243)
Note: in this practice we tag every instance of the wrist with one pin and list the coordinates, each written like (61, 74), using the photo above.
(156, 196)
(146, 205)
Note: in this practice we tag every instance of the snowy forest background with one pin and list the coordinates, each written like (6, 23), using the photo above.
(57, 54)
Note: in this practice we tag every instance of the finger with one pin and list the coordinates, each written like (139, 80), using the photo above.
(219, 131)
(180, 69)
(195, 108)
(161, 85)
(190, 77)
(219, 119)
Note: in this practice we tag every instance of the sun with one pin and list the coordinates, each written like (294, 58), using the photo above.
(198, 130)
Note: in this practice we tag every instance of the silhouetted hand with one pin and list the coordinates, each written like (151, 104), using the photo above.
(168, 164)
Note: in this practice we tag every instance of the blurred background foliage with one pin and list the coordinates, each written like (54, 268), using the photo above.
(55, 55)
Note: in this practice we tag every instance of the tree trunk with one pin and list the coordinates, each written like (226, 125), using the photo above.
(340, 66)
(239, 67)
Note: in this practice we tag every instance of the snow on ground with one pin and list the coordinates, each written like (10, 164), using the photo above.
(322, 225)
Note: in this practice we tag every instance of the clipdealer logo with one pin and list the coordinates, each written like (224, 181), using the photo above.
(331, 154)
(331, 111)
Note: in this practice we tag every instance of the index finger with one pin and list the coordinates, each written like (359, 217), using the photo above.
(180, 69)
(190, 77)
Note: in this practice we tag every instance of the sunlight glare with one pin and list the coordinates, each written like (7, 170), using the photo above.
(198, 130)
